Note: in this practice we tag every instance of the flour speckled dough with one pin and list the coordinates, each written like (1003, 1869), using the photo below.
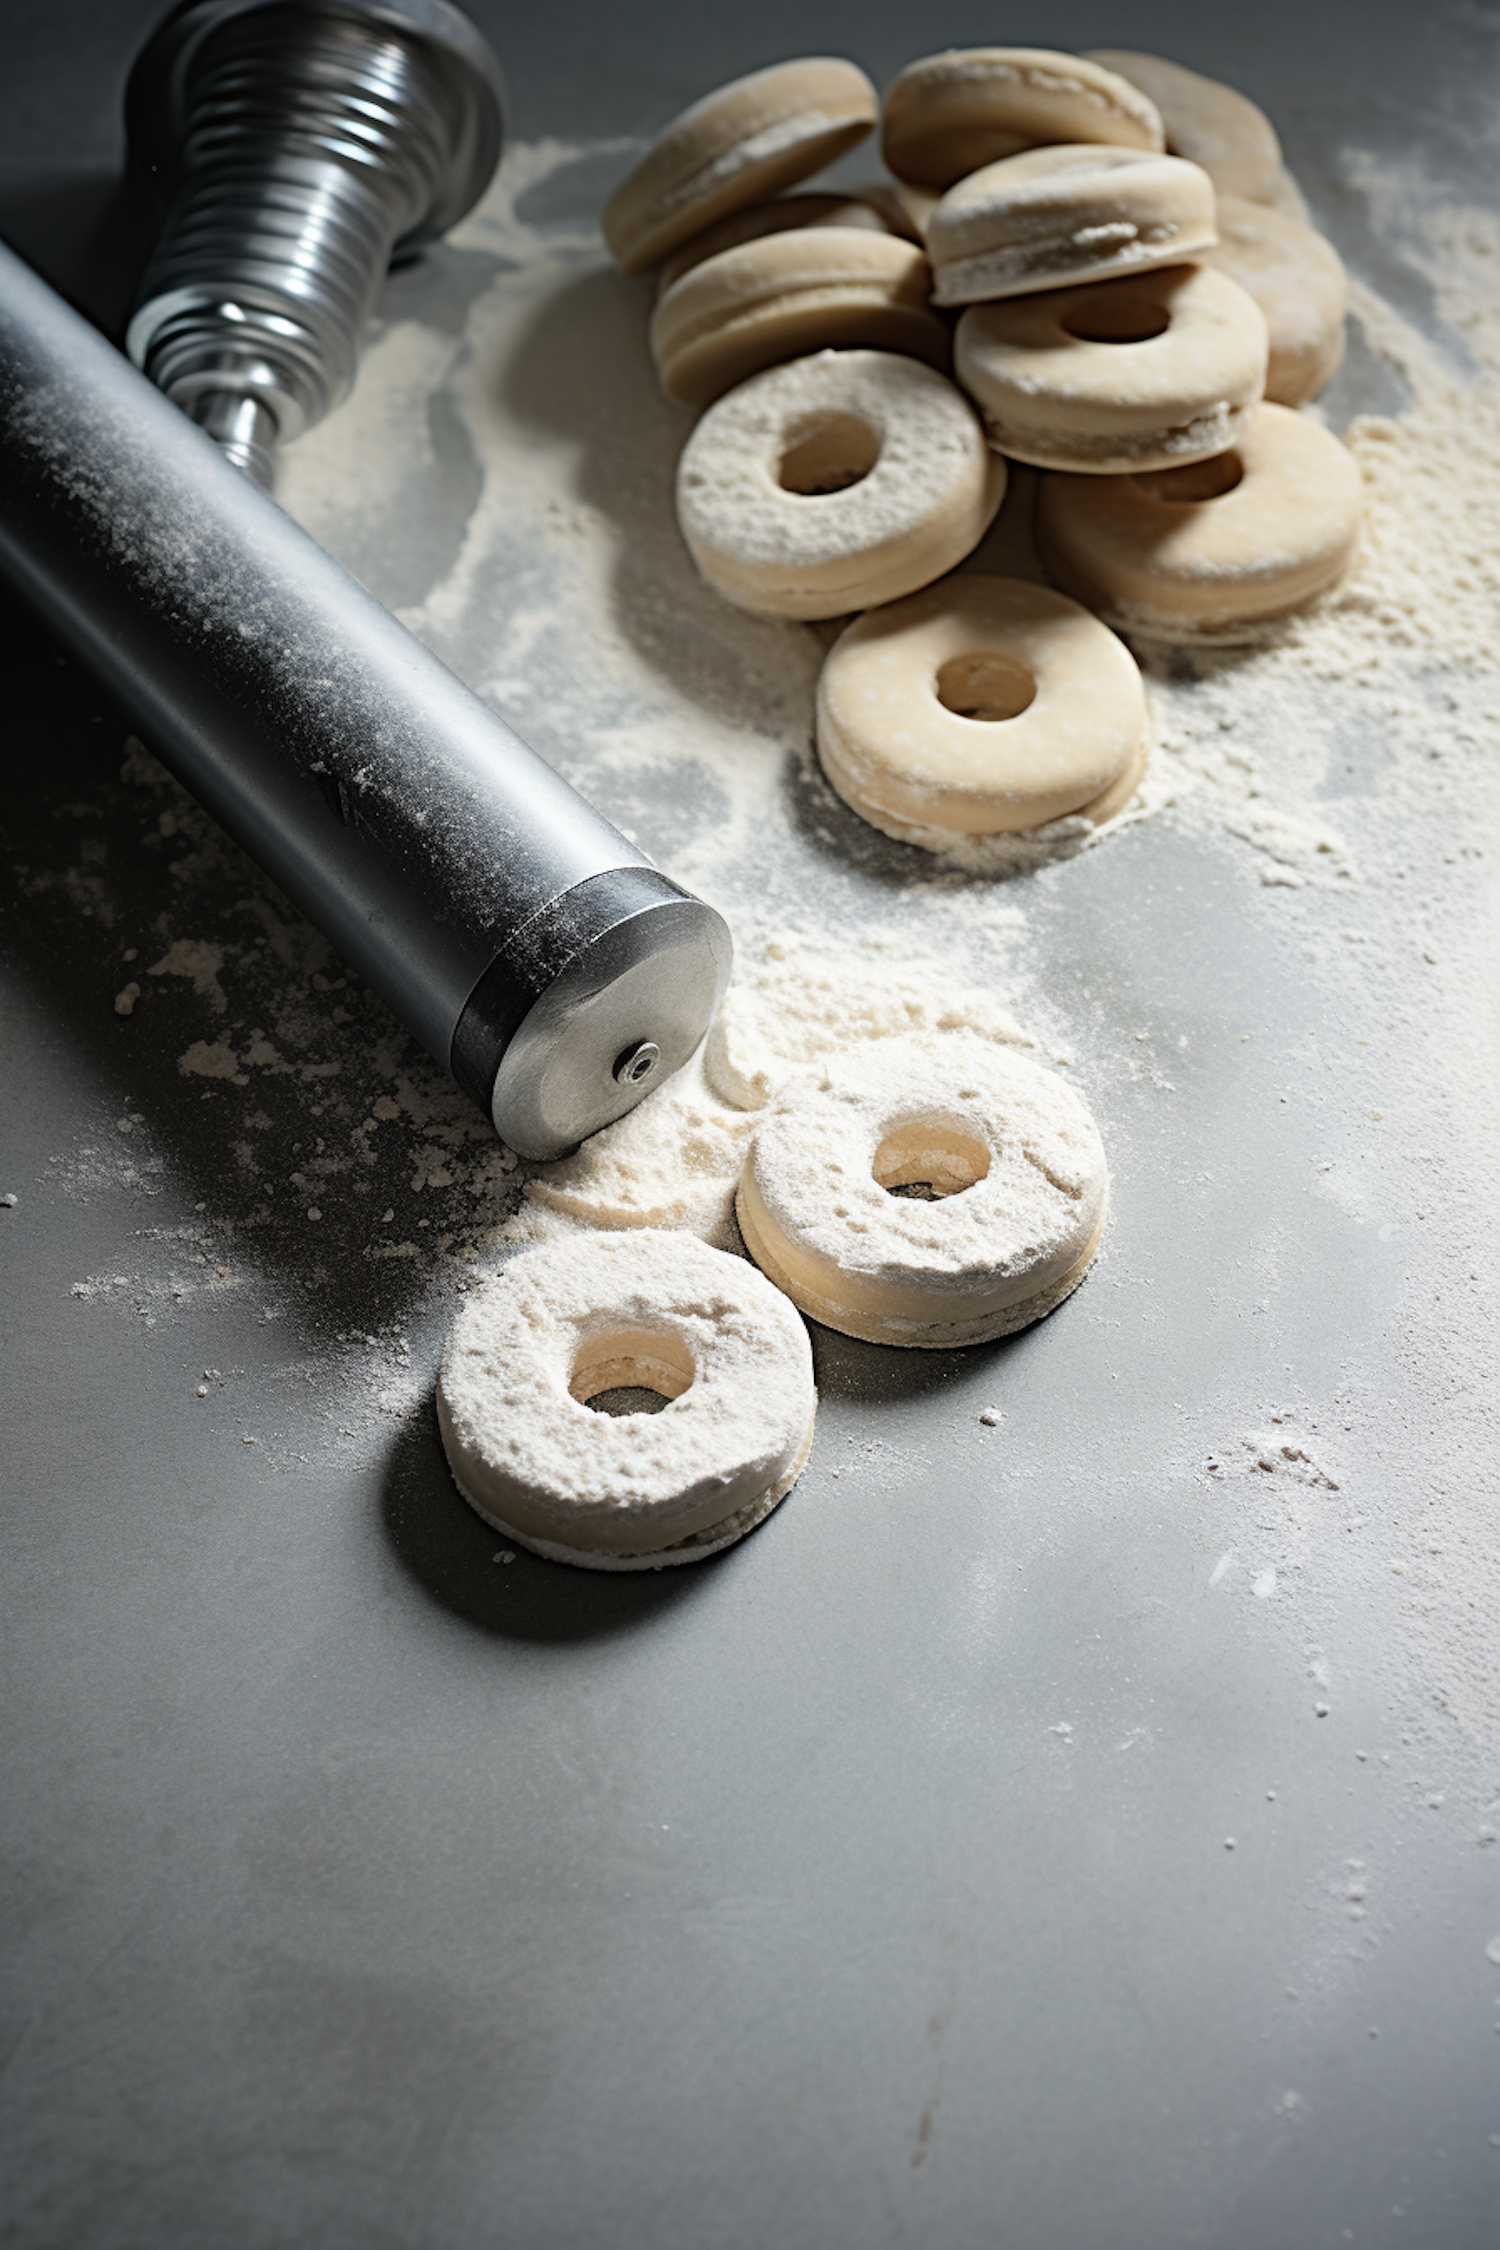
(1051, 217)
(950, 113)
(1115, 376)
(782, 215)
(835, 482)
(1206, 121)
(784, 295)
(598, 1312)
(981, 706)
(1297, 278)
(734, 147)
(1010, 1153)
(1216, 552)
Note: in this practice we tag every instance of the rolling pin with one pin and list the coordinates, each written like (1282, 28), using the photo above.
(534, 952)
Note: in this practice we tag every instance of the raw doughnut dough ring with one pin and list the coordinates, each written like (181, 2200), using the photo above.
(785, 295)
(980, 706)
(1012, 1154)
(1115, 376)
(950, 113)
(834, 483)
(780, 216)
(596, 1312)
(1215, 552)
(1206, 121)
(734, 147)
(1298, 280)
(1052, 217)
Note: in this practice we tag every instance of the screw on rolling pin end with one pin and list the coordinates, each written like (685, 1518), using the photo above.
(305, 147)
(635, 1066)
(243, 429)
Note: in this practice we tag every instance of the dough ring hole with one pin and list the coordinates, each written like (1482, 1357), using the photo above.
(928, 1158)
(631, 1371)
(985, 686)
(1107, 318)
(1197, 480)
(828, 453)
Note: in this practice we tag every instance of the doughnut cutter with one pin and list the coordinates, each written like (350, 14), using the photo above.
(534, 952)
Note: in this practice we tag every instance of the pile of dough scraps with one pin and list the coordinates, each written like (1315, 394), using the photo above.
(1142, 310)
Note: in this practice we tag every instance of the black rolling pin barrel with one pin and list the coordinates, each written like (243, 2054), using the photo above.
(531, 949)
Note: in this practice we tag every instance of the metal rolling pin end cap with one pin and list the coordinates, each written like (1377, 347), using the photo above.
(589, 1006)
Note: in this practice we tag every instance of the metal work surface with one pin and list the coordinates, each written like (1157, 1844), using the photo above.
(1069, 1831)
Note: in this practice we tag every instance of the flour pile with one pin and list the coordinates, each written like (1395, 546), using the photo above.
(675, 1160)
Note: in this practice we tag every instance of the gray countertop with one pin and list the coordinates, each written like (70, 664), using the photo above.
(1066, 1834)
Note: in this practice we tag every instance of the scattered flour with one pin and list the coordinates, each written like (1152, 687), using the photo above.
(200, 963)
(675, 1160)
(671, 1162)
(807, 997)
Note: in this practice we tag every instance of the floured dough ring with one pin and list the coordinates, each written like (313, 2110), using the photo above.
(950, 113)
(1207, 122)
(1051, 217)
(981, 706)
(735, 147)
(1299, 283)
(1214, 552)
(597, 1312)
(785, 295)
(781, 215)
(834, 483)
(1115, 376)
(1010, 1153)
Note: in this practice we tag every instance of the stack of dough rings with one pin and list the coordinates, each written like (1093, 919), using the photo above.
(1094, 265)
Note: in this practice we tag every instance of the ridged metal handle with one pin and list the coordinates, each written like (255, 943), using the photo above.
(309, 142)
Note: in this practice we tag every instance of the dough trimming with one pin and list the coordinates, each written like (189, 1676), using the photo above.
(1052, 217)
(785, 295)
(1297, 278)
(947, 114)
(980, 706)
(783, 214)
(1206, 121)
(734, 147)
(1115, 376)
(1213, 552)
